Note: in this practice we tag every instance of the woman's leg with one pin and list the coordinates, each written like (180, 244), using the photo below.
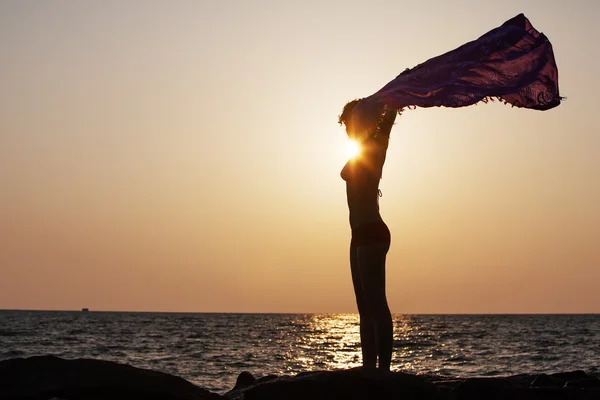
(367, 322)
(371, 267)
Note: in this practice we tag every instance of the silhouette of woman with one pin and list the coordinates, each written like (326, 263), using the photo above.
(370, 235)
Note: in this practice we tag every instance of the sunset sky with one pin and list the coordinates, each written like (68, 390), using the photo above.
(185, 156)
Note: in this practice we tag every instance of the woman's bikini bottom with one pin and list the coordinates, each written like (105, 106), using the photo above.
(371, 233)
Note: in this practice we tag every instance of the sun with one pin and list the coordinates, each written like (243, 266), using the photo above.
(352, 148)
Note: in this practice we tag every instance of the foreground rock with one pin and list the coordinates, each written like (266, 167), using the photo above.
(356, 384)
(341, 384)
(49, 377)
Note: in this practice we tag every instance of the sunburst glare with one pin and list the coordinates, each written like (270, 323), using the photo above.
(352, 148)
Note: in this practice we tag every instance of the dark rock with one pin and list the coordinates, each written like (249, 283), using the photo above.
(482, 388)
(444, 383)
(570, 376)
(584, 383)
(240, 388)
(543, 380)
(244, 379)
(343, 384)
(266, 378)
(538, 393)
(521, 380)
(45, 377)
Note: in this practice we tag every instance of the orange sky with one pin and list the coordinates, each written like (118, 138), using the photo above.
(185, 156)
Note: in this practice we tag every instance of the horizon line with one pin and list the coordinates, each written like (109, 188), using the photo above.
(290, 313)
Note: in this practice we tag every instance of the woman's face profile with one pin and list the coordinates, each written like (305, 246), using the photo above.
(348, 125)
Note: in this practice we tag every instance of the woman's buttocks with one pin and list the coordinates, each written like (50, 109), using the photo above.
(371, 233)
(366, 223)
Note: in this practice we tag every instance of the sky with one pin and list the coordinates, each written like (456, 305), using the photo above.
(185, 156)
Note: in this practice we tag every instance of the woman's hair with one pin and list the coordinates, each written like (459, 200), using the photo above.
(347, 111)
(384, 121)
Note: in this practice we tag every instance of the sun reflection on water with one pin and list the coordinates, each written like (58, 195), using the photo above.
(332, 341)
(336, 339)
(328, 342)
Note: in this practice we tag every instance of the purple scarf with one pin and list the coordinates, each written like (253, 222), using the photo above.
(513, 63)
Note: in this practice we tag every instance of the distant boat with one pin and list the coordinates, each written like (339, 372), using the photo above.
(85, 310)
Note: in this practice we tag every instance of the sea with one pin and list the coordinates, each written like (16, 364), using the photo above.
(211, 350)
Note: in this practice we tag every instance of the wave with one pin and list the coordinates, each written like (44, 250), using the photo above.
(4, 333)
(12, 354)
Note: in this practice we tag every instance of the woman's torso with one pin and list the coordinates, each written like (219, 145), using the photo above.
(362, 175)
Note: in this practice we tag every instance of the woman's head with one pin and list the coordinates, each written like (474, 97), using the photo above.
(346, 115)
(367, 119)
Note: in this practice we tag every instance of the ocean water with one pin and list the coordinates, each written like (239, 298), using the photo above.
(210, 350)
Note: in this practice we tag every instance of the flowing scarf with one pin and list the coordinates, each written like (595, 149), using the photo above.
(513, 63)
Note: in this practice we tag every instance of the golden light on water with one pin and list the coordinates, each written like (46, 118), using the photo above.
(336, 339)
(332, 341)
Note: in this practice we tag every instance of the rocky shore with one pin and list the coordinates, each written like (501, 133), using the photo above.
(49, 377)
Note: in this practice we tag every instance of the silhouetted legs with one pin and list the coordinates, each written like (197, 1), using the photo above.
(368, 276)
(367, 323)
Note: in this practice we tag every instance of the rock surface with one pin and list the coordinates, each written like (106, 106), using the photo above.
(355, 384)
(48, 377)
